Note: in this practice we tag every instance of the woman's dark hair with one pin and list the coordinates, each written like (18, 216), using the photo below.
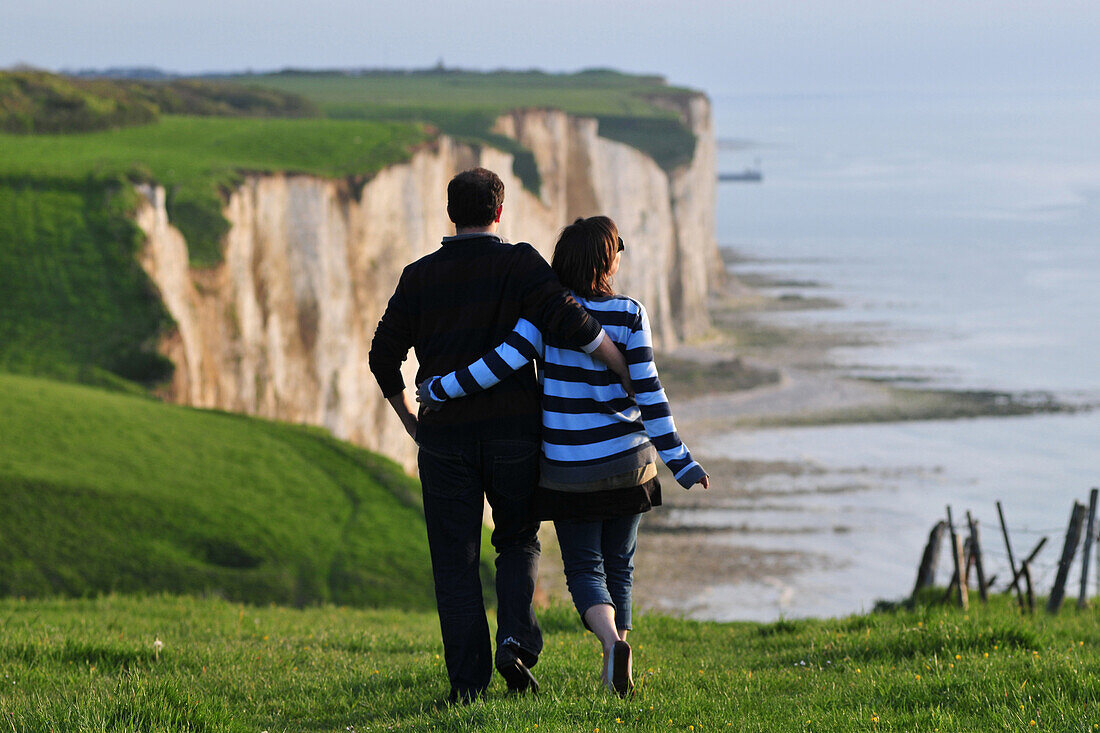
(473, 198)
(583, 256)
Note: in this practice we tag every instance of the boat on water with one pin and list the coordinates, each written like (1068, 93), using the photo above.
(750, 175)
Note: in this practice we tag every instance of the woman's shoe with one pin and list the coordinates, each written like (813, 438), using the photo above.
(620, 669)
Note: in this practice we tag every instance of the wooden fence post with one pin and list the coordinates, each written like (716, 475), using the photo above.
(1069, 549)
(926, 573)
(1031, 556)
(1083, 596)
(960, 563)
(1014, 585)
(976, 550)
(1025, 570)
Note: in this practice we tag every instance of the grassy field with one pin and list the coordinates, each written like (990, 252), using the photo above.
(103, 492)
(93, 665)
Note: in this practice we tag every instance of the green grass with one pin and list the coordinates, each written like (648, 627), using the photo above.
(103, 491)
(91, 666)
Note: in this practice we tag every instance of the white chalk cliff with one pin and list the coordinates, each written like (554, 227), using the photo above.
(282, 328)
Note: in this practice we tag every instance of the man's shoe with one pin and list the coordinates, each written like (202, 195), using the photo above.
(620, 671)
(514, 671)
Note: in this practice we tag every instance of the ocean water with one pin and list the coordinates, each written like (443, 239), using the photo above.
(961, 235)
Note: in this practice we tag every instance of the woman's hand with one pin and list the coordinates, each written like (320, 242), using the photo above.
(424, 395)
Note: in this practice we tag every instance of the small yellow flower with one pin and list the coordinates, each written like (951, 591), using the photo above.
(986, 655)
(1032, 723)
(958, 656)
(859, 671)
(874, 718)
(618, 720)
(952, 666)
(918, 678)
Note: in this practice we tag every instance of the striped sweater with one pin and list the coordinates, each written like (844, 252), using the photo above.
(591, 429)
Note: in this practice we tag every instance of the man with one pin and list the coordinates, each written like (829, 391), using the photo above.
(452, 306)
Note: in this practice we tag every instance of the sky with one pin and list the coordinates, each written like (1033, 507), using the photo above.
(722, 47)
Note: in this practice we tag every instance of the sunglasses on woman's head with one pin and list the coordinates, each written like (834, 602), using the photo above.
(621, 245)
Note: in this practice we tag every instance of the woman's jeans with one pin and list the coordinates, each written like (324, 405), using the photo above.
(599, 563)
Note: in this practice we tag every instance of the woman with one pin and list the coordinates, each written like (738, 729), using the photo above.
(599, 446)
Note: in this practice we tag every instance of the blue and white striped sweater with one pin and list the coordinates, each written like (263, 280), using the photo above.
(591, 428)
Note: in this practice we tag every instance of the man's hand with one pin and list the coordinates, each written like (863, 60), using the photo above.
(609, 354)
(400, 404)
(704, 482)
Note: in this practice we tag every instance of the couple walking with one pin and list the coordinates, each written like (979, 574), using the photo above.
(577, 443)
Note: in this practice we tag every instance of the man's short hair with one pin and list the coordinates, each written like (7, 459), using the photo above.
(473, 198)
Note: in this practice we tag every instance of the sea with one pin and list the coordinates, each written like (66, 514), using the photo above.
(959, 236)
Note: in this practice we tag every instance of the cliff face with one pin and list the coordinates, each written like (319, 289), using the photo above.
(282, 327)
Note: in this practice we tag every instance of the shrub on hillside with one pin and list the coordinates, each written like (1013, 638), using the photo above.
(38, 102)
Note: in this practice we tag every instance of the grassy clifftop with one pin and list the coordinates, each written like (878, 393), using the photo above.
(107, 492)
(641, 111)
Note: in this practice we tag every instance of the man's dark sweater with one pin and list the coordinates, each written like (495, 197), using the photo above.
(457, 303)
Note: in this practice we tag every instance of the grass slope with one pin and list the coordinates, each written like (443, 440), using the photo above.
(76, 304)
(106, 492)
(92, 666)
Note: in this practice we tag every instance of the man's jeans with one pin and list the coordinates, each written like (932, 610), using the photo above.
(599, 564)
(454, 479)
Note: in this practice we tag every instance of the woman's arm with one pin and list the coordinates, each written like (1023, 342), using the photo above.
(654, 407)
(523, 344)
